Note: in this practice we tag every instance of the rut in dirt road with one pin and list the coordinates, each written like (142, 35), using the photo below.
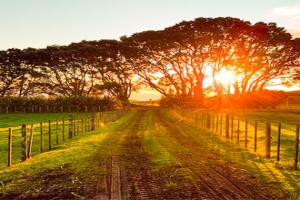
(214, 181)
(138, 182)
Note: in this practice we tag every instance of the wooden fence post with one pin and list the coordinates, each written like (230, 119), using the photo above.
(238, 132)
(268, 139)
(82, 130)
(9, 147)
(246, 133)
(70, 127)
(98, 126)
(30, 140)
(278, 141)
(42, 138)
(232, 127)
(227, 125)
(86, 125)
(208, 121)
(49, 134)
(217, 124)
(78, 127)
(213, 123)
(63, 129)
(297, 148)
(221, 125)
(255, 136)
(201, 120)
(74, 127)
(24, 143)
(81, 126)
(56, 131)
(93, 121)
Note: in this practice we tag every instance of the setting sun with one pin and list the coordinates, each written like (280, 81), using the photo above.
(226, 77)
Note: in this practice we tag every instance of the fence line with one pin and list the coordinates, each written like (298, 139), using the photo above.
(268, 138)
(34, 142)
(50, 108)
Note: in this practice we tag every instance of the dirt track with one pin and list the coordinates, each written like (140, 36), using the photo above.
(210, 179)
(214, 181)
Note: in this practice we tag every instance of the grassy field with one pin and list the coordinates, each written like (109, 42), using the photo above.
(59, 131)
(160, 155)
(288, 130)
(153, 103)
(16, 120)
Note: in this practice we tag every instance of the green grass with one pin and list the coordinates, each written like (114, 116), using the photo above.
(153, 144)
(288, 130)
(281, 174)
(16, 120)
(153, 103)
(76, 158)
(82, 157)
(59, 133)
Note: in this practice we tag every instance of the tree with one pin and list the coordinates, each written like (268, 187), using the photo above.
(267, 53)
(18, 77)
(114, 70)
(68, 70)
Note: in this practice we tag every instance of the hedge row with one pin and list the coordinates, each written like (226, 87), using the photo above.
(59, 104)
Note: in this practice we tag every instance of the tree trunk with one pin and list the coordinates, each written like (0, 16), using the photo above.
(198, 94)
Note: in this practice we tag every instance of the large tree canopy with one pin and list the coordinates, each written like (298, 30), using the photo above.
(178, 59)
(183, 60)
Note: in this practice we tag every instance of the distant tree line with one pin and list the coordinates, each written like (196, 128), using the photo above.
(57, 104)
(78, 70)
(175, 61)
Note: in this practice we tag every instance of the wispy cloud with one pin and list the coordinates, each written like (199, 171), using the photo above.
(288, 11)
(288, 16)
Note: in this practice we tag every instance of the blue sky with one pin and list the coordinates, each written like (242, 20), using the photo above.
(38, 23)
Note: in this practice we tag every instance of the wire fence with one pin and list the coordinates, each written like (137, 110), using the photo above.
(21, 142)
(273, 139)
(51, 108)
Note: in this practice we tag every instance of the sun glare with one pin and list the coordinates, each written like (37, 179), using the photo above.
(226, 77)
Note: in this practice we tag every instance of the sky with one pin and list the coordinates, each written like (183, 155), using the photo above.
(38, 23)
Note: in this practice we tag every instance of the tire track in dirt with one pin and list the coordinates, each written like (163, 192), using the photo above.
(107, 184)
(128, 171)
(212, 182)
(139, 182)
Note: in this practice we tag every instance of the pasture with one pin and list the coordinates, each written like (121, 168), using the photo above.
(167, 154)
(48, 131)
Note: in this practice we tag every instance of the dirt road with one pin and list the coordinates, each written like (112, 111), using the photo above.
(196, 170)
